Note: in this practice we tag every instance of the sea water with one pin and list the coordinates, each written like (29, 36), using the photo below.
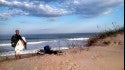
(38, 41)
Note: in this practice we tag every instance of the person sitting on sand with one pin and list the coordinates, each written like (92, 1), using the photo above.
(19, 43)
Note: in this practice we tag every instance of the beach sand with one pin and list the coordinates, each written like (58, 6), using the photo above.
(101, 57)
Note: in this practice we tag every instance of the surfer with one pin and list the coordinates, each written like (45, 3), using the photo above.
(19, 43)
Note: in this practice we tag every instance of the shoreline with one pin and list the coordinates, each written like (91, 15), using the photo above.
(54, 44)
(12, 57)
(26, 54)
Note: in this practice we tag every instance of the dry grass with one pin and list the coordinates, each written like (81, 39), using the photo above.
(103, 35)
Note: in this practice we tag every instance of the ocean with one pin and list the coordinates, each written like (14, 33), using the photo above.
(38, 41)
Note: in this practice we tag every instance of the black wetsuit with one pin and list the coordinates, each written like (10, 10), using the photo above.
(14, 39)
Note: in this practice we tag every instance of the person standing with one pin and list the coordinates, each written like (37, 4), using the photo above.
(18, 43)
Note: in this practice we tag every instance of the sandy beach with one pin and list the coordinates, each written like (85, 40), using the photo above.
(98, 57)
(62, 34)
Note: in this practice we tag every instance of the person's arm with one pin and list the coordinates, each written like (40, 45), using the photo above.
(12, 44)
(12, 37)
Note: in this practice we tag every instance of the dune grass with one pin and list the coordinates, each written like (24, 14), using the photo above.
(103, 35)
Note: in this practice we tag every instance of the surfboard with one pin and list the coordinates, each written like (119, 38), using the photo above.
(20, 46)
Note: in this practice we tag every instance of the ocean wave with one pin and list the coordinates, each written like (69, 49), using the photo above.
(79, 39)
(30, 43)
(39, 42)
(8, 44)
(50, 41)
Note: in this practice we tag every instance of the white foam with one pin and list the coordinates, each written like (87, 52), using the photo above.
(78, 39)
(10, 53)
(29, 51)
(61, 48)
(8, 44)
(39, 42)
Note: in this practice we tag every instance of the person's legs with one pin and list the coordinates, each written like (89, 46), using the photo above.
(17, 55)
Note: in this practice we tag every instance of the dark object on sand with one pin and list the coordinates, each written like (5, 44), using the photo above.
(47, 50)
(41, 52)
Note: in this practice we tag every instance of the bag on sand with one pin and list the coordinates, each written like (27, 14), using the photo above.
(47, 49)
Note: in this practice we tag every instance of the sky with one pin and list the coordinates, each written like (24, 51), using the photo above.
(60, 16)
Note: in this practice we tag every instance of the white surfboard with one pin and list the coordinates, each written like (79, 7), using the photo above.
(20, 46)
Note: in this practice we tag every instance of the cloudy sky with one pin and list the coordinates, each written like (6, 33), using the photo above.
(59, 16)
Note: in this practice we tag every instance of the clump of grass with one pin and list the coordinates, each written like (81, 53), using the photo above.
(103, 35)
